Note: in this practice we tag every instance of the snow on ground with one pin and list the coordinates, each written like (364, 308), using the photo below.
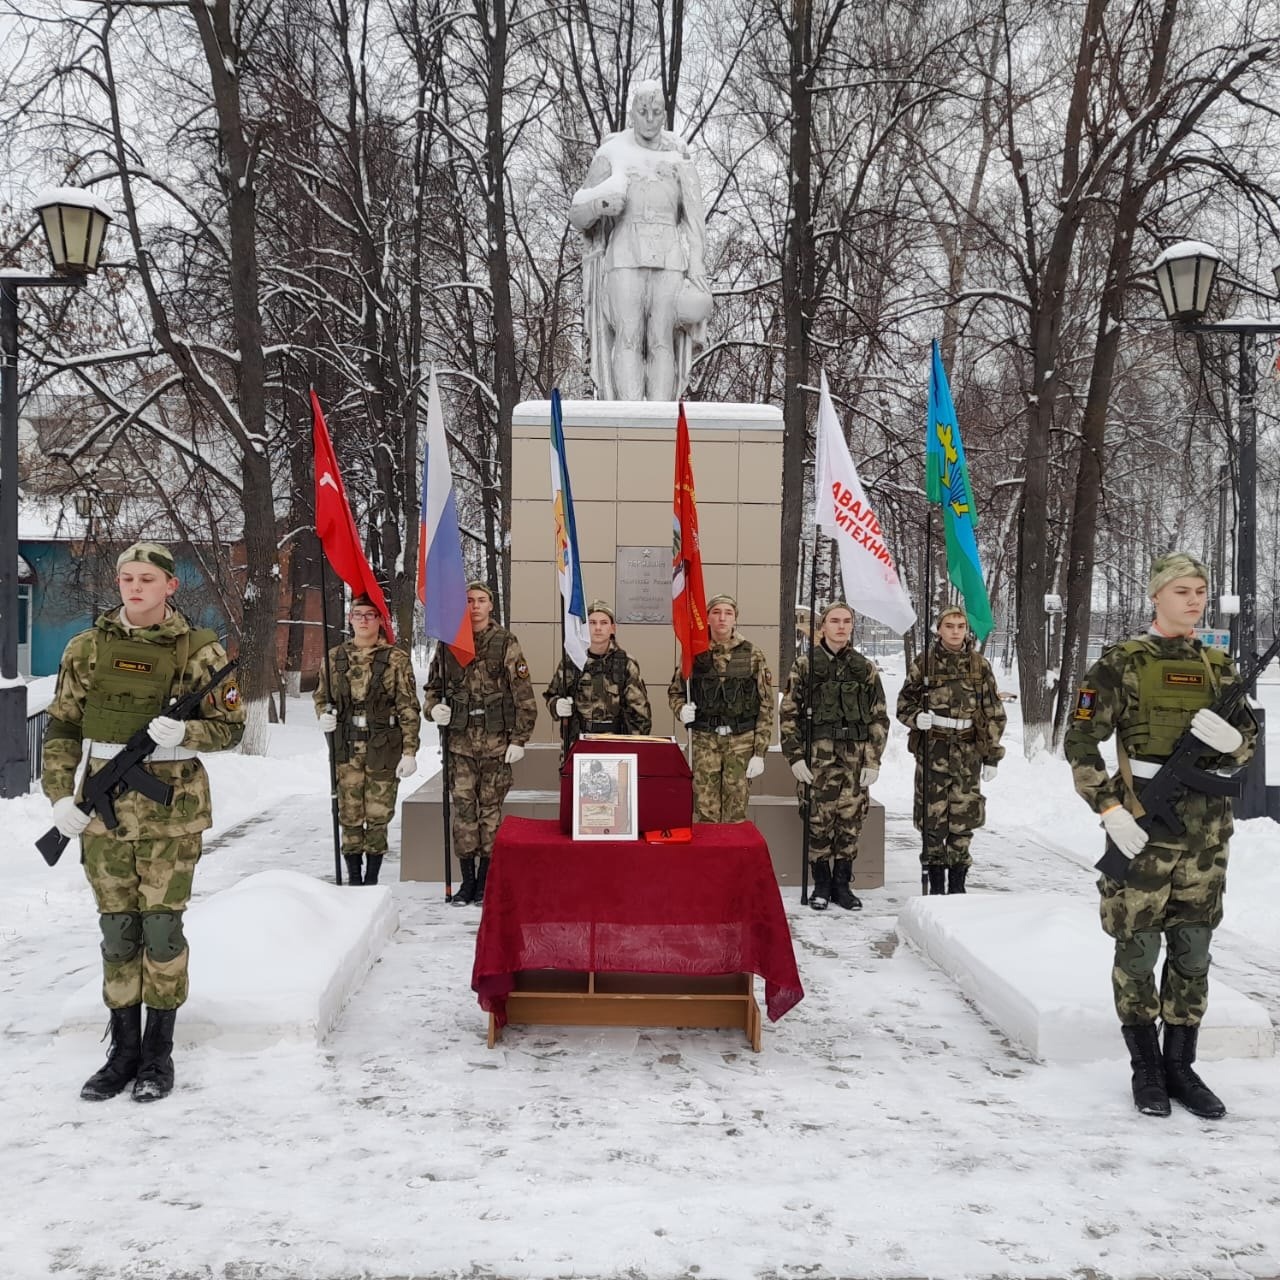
(885, 1130)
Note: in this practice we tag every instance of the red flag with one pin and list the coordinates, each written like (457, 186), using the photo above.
(336, 526)
(688, 595)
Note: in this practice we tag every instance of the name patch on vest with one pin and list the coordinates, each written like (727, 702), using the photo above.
(1184, 679)
(1086, 704)
(133, 665)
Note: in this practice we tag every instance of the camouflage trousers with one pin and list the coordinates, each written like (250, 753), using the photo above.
(720, 786)
(142, 888)
(477, 787)
(956, 804)
(366, 803)
(837, 803)
(1175, 894)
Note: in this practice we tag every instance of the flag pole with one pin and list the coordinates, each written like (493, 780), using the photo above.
(925, 769)
(442, 733)
(808, 719)
(329, 737)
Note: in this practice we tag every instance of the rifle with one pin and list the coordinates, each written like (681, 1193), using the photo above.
(124, 771)
(1180, 773)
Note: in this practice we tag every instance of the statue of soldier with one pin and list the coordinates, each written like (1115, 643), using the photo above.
(608, 695)
(115, 678)
(1148, 691)
(645, 294)
(372, 709)
(729, 705)
(952, 706)
(490, 709)
(850, 729)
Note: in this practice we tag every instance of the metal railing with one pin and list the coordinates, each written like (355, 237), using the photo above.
(35, 745)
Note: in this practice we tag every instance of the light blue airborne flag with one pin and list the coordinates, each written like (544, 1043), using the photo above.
(947, 482)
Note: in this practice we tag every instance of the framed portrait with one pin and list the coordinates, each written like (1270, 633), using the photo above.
(604, 797)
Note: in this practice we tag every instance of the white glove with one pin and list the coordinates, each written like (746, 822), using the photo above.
(1125, 833)
(442, 713)
(924, 721)
(802, 772)
(564, 708)
(1216, 732)
(688, 713)
(407, 767)
(515, 753)
(327, 721)
(988, 773)
(755, 767)
(69, 818)
(867, 778)
(164, 731)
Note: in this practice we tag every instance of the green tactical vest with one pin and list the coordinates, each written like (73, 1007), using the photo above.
(386, 739)
(491, 708)
(1170, 692)
(842, 696)
(606, 677)
(133, 681)
(730, 700)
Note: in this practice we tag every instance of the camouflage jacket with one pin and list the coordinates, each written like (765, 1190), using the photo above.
(1108, 701)
(961, 686)
(792, 712)
(719, 654)
(218, 726)
(400, 695)
(498, 676)
(598, 706)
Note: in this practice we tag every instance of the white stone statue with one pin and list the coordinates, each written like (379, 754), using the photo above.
(645, 292)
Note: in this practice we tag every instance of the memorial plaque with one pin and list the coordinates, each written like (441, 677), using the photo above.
(643, 584)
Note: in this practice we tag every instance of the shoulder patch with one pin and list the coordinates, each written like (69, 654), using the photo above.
(230, 692)
(1086, 704)
(522, 669)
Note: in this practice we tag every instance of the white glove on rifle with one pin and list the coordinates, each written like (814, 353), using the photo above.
(1216, 732)
(515, 753)
(1125, 833)
(802, 772)
(69, 818)
(165, 731)
(327, 721)
(564, 708)
(688, 713)
(988, 773)
(924, 721)
(755, 767)
(407, 767)
(867, 778)
(442, 713)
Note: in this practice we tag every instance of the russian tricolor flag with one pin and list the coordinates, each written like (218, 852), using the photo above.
(442, 577)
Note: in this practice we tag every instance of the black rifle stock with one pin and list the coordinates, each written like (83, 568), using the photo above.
(124, 771)
(1180, 773)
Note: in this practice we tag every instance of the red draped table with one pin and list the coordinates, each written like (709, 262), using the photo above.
(624, 933)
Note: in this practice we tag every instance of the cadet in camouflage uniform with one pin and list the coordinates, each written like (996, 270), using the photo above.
(954, 713)
(115, 678)
(1148, 691)
(608, 695)
(491, 707)
(373, 713)
(850, 729)
(730, 707)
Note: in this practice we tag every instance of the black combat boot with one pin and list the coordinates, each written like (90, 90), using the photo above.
(955, 879)
(1183, 1084)
(1149, 1093)
(353, 867)
(155, 1075)
(482, 874)
(937, 880)
(465, 894)
(820, 894)
(372, 865)
(122, 1058)
(844, 895)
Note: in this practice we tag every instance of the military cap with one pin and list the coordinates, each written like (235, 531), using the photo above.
(723, 599)
(601, 606)
(1177, 564)
(148, 553)
(953, 611)
(476, 585)
(835, 604)
(362, 601)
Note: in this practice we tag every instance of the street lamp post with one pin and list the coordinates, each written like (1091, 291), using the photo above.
(1185, 275)
(75, 223)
